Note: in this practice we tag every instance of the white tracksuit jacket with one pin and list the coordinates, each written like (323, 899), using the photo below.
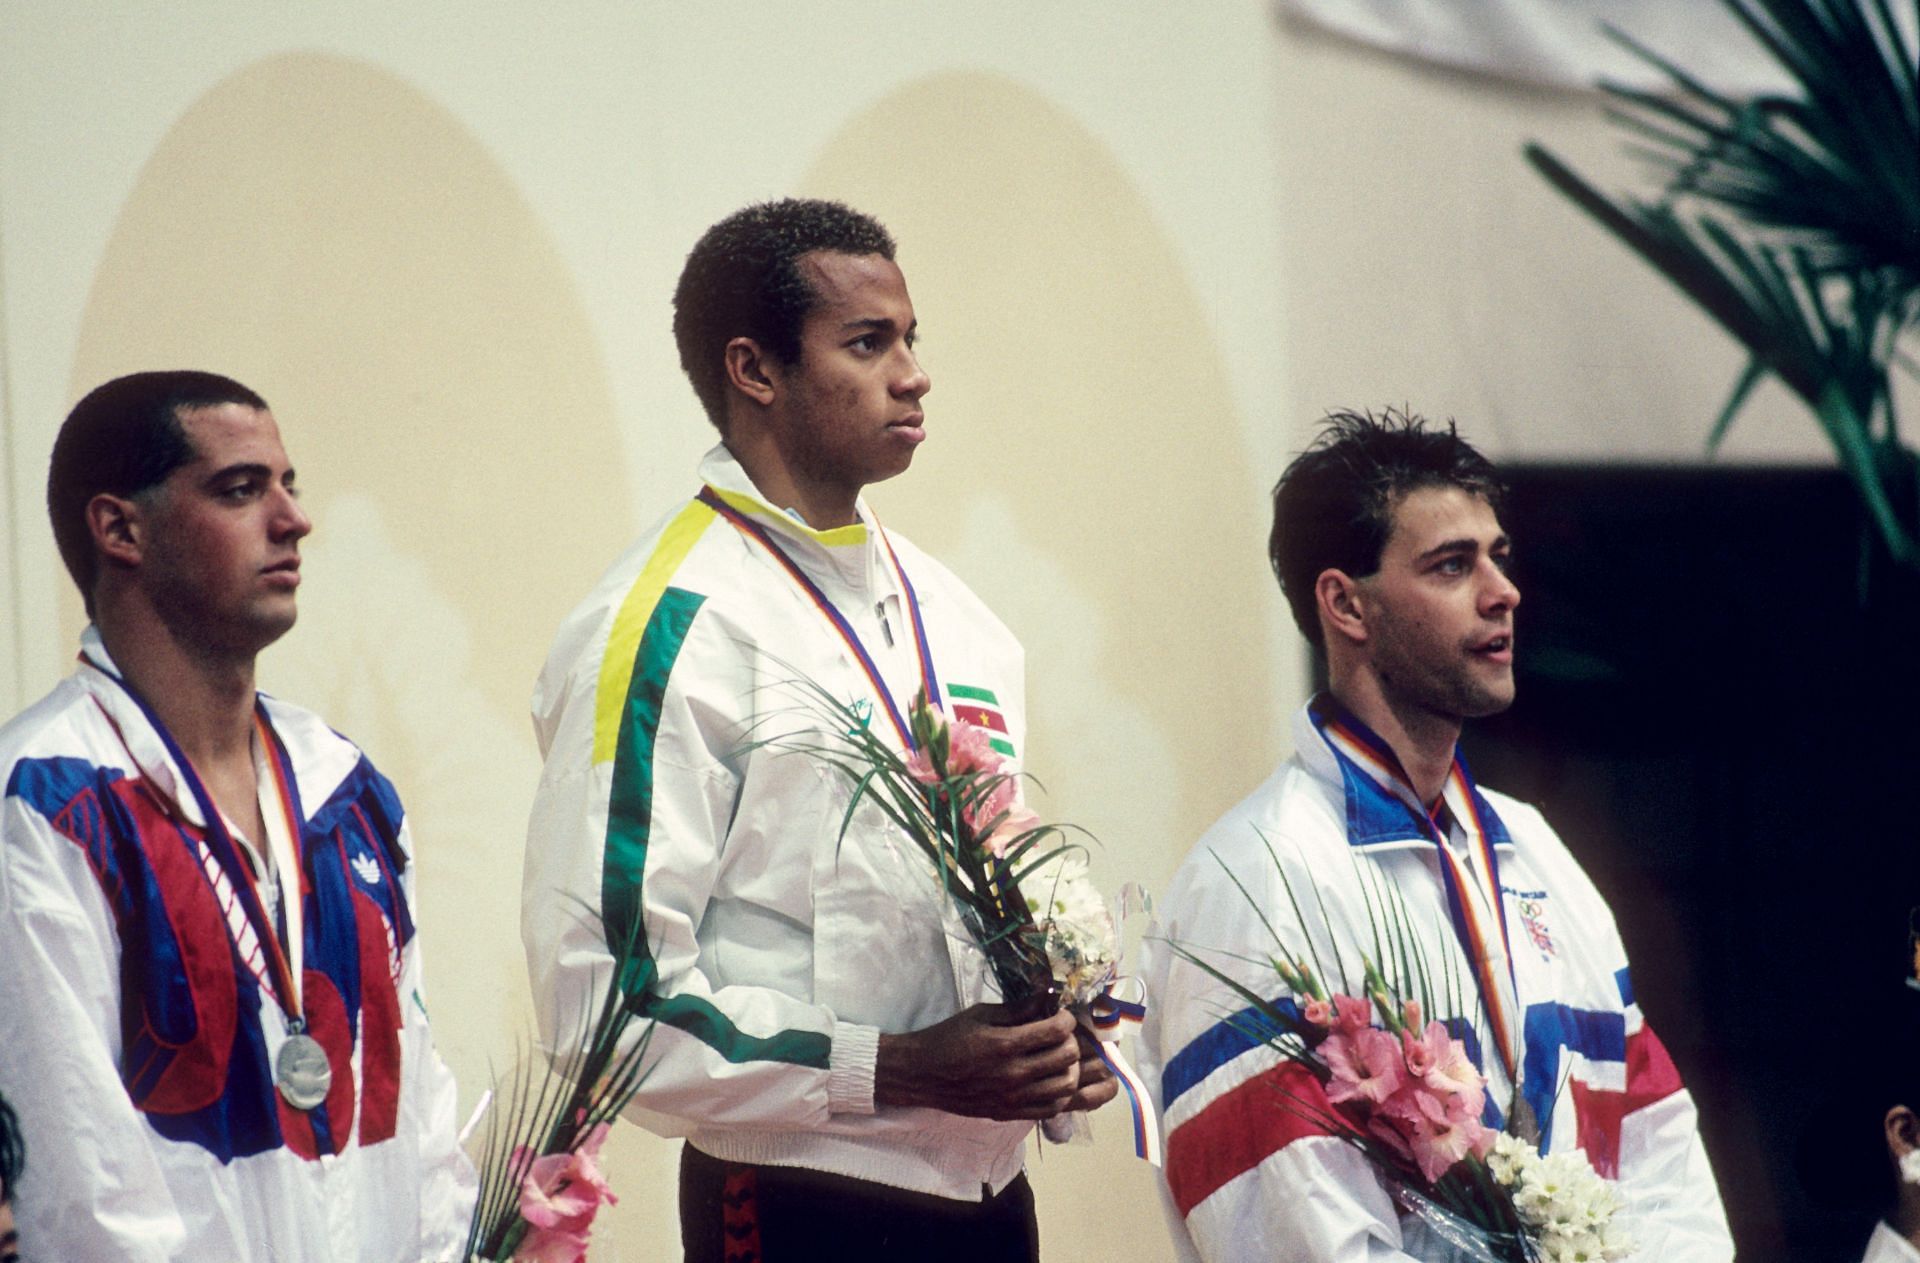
(1242, 1180)
(137, 1028)
(780, 950)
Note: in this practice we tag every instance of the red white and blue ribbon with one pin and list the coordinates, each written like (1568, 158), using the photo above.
(1103, 1017)
(1488, 947)
(929, 682)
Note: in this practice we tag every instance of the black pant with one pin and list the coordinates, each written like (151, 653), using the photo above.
(734, 1213)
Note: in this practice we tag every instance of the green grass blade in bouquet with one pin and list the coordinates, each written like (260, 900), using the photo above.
(1400, 1089)
(540, 1181)
(960, 803)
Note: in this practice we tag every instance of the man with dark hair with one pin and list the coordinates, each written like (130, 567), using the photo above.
(129, 438)
(210, 990)
(1388, 545)
(824, 1034)
(745, 278)
(1341, 494)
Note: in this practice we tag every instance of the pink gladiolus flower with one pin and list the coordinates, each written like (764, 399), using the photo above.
(559, 1197)
(1440, 1063)
(1452, 1071)
(1352, 1014)
(971, 749)
(920, 768)
(1366, 1065)
(1018, 822)
(1319, 1012)
(1441, 1132)
(1003, 798)
(1410, 1015)
(1440, 1128)
(1424, 1052)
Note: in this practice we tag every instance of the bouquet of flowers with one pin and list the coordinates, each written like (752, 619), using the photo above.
(1020, 885)
(1022, 889)
(1394, 1082)
(540, 1178)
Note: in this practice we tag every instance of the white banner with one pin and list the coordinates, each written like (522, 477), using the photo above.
(1557, 42)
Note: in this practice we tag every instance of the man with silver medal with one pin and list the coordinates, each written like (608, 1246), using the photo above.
(210, 982)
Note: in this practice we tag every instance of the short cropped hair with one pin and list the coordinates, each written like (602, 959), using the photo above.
(13, 1151)
(743, 280)
(122, 439)
(1333, 507)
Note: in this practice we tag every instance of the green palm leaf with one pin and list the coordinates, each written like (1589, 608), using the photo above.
(1793, 220)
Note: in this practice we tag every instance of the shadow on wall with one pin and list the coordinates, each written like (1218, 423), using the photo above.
(333, 238)
(1086, 468)
(325, 233)
(1087, 473)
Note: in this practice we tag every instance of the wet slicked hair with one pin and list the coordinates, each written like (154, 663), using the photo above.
(124, 438)
(1333, 507)
(743, 280)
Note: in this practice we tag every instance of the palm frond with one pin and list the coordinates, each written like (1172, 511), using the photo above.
(1792, 220)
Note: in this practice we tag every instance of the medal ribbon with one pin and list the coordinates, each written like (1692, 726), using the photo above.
(286, 855)
(1102, 1017)
(1487, 948)
(928, 681)
(226, 851)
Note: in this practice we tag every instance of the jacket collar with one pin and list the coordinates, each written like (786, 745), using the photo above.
(101, 678)
(1381, 808)
(839, 557)
(317, 760)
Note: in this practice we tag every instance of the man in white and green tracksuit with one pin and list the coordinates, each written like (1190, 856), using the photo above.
(826, 1037)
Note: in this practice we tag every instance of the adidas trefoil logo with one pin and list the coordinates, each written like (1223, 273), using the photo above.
(367, 868)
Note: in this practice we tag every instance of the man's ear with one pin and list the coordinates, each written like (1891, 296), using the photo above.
(1342, 605)
(1903, 1131)
(118, 530)
(751, 371)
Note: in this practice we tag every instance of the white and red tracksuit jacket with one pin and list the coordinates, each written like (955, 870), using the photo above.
(1245, 1177)
(139, 1023)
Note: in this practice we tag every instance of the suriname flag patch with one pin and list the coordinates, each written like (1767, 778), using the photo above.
(981, 708)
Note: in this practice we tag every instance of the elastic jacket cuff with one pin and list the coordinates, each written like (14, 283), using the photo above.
(850, 1068)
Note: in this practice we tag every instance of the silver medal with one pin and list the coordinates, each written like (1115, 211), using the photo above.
(301, 1071)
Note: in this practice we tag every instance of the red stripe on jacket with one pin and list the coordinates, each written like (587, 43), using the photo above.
(1240, 1130)
(1651, 1077)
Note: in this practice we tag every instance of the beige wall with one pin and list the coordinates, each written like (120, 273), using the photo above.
(1146, 250)
(1426, 262)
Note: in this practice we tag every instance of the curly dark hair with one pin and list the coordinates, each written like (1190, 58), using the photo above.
(1333, 507)
(122, 439)
(743, 280)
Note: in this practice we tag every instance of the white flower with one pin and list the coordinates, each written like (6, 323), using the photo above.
(1569, 1210)
(1615, 1243)
(1511, 1159)
(1075, 923)
(1579, 1247)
